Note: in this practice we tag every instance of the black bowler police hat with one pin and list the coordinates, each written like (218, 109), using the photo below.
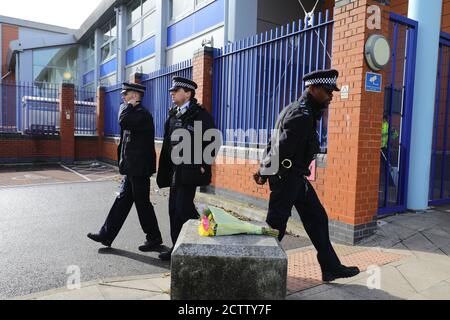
(127, 86)
(325, 78)
(180, 82)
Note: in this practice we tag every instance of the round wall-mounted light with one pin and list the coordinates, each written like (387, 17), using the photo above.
(377, 52)
(67, 76)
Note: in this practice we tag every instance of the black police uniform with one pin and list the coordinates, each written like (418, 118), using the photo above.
(295, 148)
(183, 179)
(137, 162)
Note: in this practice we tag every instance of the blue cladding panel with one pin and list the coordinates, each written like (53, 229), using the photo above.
(200, 20)
(88, 77)
(109, 67)
(141, 51)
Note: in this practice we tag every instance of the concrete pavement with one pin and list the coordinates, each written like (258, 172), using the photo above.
(421, 271)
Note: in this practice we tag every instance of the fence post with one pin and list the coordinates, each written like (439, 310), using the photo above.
(67, 122)
(100, 112)
(202, 73)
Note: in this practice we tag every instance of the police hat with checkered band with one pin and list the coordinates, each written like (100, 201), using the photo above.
(127, 86)
(325, 78)
(180, 82)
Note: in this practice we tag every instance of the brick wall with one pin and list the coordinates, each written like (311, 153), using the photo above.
(9, 33)
(16, 148)
(202, 75)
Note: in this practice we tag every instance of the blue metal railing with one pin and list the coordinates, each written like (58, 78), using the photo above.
(31, 108)
(85, 112)
(440, 158)
(157, 99)
(254, 79)
(112, 106)
(399, 94)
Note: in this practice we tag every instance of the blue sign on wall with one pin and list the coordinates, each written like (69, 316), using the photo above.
(373, 82)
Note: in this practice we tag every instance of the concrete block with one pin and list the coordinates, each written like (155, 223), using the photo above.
(241, 267)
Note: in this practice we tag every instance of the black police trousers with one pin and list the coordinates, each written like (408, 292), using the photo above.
(295, 190)
(181, 208)
(132, 190)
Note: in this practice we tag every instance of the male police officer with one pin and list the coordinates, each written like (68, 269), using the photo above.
(137, 161)
(183, 175)
(286, 165)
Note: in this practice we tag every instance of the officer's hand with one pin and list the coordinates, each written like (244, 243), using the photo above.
(202, 170)
(259, 179)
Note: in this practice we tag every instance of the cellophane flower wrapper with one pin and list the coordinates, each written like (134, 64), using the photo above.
(216, 222)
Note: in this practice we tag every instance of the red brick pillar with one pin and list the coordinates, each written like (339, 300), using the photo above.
(136, 77)
(202, 74)
(67, 124)
(100, 120)
(354, 129)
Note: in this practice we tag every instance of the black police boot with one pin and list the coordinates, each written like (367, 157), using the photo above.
(151, 245)
(98, 238)
(341, 272)
(166, 255)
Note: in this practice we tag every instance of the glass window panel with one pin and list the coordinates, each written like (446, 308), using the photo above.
(109, 81)
(113, 29)
(179, 7)
(148, 5)
(134, 34)
(200, 2)
(149, 24)
(134, 12)
(55, 64)
(106, 52)
(113, 47)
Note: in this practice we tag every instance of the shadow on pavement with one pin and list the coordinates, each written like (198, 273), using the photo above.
(138, 257)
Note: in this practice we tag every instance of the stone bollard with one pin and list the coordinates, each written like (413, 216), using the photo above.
(242, 267)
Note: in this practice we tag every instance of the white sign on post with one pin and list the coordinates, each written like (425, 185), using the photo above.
(345, 92)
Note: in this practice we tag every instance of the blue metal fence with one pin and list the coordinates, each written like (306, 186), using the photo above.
(111, 112)
(254, 79)
(85, 112)
(440, 159)
(399, 94)
(31, 108)
(156, 99)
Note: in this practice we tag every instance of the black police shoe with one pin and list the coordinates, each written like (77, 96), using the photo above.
(166, 255)
(151, 245)
(341, 272)
(98, 238)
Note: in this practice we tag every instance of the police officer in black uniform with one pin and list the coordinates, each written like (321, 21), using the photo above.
(137, 162)
(293, 146)
(183, 176)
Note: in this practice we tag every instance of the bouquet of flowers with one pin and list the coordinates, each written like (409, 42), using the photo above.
(216, 222)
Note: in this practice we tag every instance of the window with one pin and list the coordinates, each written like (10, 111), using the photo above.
(178, 8)
(89, 56)
(108, 81)
(55, 65)
(141, 20)
(109, 45)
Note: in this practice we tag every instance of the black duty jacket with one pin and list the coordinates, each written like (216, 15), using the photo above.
(190, 173)
(297, 139)
(136, 151)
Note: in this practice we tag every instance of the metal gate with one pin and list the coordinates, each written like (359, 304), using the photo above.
(440, 157)
(397, 116)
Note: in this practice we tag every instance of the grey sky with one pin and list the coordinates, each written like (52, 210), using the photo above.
(64, 13)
